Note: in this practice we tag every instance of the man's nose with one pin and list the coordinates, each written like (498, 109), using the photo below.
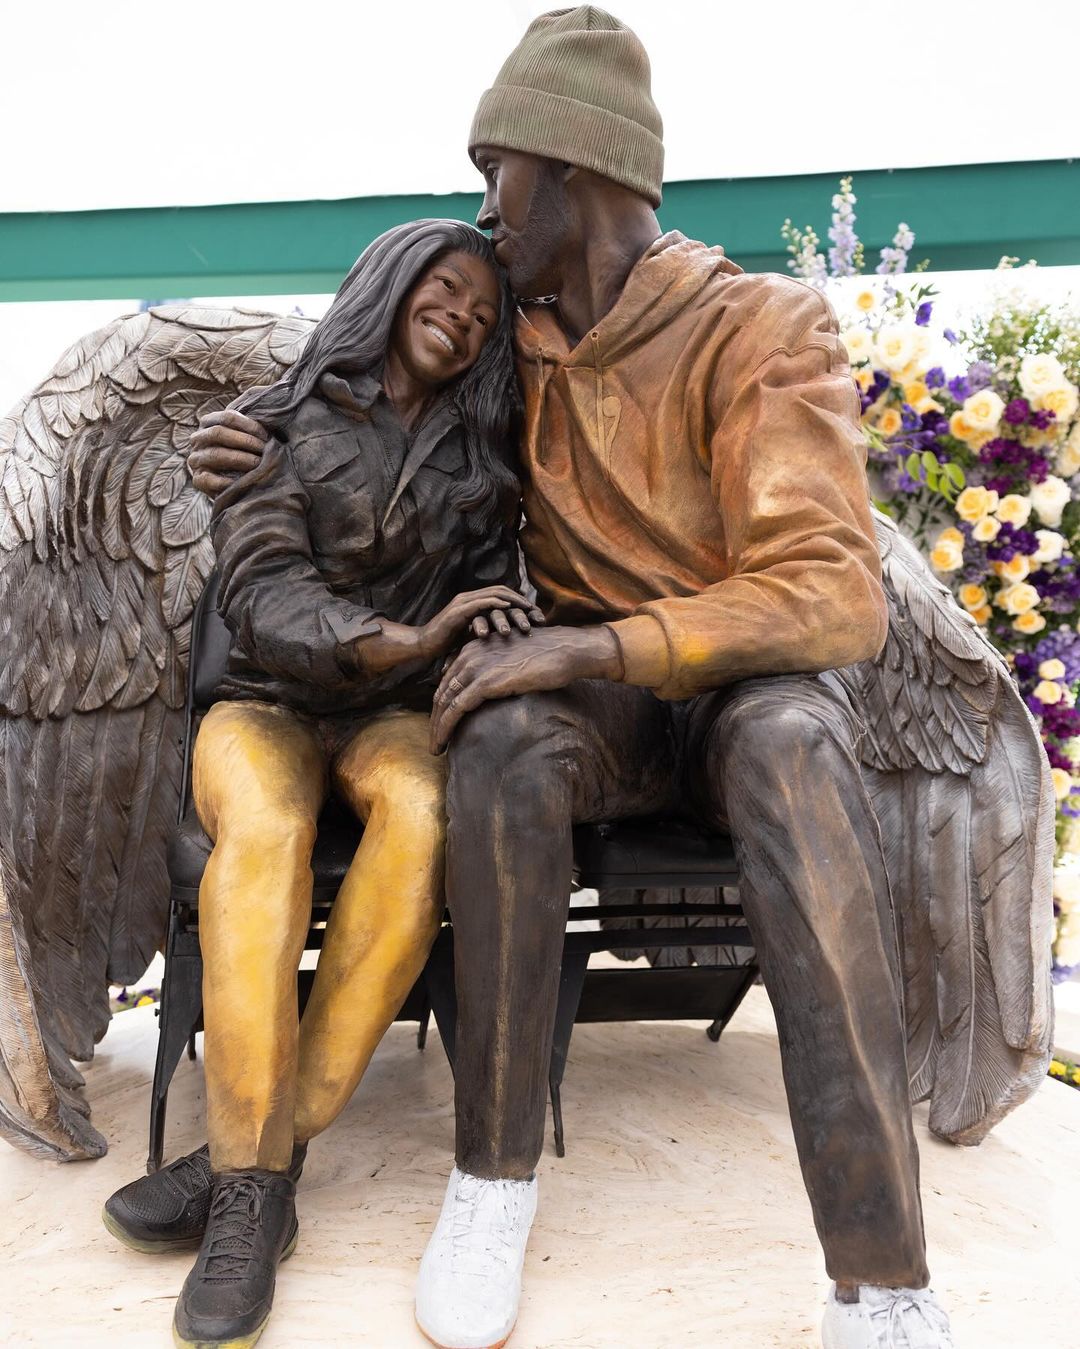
(489, 212)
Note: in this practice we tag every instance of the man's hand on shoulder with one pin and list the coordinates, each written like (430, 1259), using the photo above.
(548, 658)
(226, 446)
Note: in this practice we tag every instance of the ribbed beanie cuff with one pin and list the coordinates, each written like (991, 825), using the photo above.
(576, 88)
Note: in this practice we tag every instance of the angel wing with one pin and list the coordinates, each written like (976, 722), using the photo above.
(961, 785)
(103, 552)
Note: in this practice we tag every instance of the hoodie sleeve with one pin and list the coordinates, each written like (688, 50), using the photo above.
(273, 598)
(788, 470)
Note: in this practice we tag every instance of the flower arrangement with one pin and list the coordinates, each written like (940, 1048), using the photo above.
(974, 447)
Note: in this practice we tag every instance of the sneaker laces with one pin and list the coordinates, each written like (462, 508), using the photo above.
(233, 1227)
(891, 1315)
(485, 1212)
(191, 1174)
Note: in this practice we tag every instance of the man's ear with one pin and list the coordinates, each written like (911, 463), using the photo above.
(568, 171)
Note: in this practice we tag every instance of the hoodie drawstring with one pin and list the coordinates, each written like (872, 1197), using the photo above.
(601, 425)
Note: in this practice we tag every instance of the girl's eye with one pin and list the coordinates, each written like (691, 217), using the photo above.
(481, 320)
(447, 283)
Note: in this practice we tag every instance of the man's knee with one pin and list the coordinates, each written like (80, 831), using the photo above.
(501, 734)
(784, 720)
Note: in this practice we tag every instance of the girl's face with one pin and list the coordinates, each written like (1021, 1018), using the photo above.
(446, 318)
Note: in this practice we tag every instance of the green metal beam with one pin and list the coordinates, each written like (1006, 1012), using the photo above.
(963, 216)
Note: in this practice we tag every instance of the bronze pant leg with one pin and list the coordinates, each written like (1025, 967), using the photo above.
(776, 758)
(521, 772)
(259, 781)
(386, 913)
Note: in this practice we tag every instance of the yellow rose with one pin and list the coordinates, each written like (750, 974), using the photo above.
(1029, 623)
(1061, 402)
(982, 411)
(1021, 598)
(982, 615)
(918, 396)
(986, 529)
(858, 343)
(1062, 783)
(959, 428)
(951, 535)
(1013, 510)
(1068, 463)
(975, 502)
(865, 300)
(973, 597)
(1018, 568)
(947, 556)
(1052, 669)
(890, 422)
(864, 377)
(1049, 691)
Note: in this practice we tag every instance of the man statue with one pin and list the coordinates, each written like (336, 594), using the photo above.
(699, 534)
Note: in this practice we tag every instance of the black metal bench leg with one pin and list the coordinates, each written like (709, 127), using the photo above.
(425, 1021)
(571, 982)
(717, 1028)
(181, 1002)
(191, 1047)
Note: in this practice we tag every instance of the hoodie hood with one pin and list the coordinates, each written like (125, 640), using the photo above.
(669, 275)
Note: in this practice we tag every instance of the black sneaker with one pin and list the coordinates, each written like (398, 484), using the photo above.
(227, 1297)
(167, 1210)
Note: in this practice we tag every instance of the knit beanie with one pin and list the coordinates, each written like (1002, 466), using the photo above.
(576, 88)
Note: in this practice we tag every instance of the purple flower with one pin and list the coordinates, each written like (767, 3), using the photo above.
(909, 418)
(950, 336)
(922, 314)
(935, 377)
(979, 375)
(1043, 419)
(959, 388)
(879, 384)
(1017, 411)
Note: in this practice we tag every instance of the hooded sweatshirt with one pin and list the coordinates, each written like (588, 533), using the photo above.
(694, 476)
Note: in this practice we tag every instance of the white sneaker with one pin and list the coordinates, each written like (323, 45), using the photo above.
(886, 1318)
(469, 1286)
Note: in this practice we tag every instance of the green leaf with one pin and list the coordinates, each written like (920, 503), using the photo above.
(955, 474)
(930, 461)
(913, 466)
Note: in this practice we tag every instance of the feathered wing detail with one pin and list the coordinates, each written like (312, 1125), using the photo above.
(103, 552)
(961, 786)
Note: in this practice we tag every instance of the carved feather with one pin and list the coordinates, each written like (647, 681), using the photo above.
(103, 553)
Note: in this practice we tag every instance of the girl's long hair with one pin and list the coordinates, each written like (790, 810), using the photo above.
(354, 335)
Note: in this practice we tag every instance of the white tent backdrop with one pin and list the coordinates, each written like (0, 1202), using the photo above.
(111, 103)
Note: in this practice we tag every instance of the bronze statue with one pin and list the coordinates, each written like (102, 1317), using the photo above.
(698, 531)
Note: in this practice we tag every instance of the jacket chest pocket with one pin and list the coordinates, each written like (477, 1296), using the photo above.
(343, 518)
(439, 521)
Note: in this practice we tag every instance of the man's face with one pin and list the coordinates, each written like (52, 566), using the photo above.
(527, 210)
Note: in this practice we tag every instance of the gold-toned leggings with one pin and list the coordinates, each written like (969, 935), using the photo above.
(261, 775)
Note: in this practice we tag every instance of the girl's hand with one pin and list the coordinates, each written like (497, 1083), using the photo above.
(479, 612)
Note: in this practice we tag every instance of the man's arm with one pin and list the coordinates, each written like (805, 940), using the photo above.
(803, 593)
(225, 447)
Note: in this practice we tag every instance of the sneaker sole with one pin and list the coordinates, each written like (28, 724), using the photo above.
(498, 1344)
(146, 1246)
(240, 1341)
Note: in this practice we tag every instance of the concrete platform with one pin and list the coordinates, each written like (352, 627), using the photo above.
(677, 1218)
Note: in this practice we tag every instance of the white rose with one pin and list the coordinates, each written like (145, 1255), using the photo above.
(1062, 402)
(982, 411)
(895, 347)
(1040, 373)
(858, 343)
(1051, 546)
(1049, 499)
